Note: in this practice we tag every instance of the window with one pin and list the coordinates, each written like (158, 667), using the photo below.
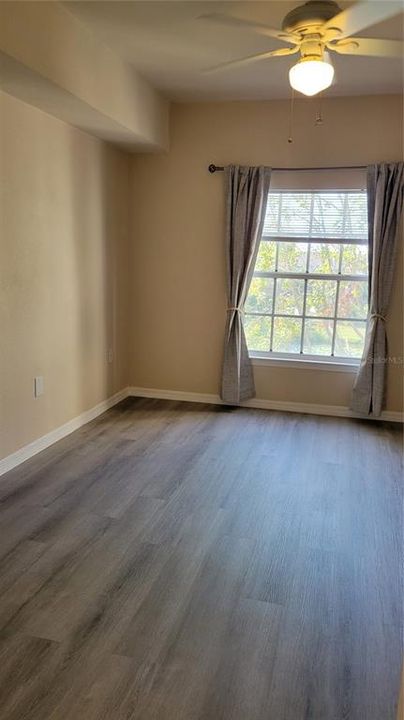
(309, 292)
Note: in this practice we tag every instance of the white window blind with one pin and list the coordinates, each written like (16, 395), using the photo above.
(317, 215)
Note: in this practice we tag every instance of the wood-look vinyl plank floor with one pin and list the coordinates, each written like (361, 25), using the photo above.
(174, 561)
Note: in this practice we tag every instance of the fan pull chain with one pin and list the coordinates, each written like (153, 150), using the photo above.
(319, 116)
(291, 117)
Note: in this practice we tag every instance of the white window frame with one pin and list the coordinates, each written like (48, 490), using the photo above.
(332, 362)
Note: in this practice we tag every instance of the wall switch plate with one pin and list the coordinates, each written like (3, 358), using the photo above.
(38, 386)
(110, 355)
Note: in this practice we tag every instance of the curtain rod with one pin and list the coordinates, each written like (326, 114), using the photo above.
(219, 168)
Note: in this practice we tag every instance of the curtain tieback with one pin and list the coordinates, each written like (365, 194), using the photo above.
(235, 308)
(377, 315)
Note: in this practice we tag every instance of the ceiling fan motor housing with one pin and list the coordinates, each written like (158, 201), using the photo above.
(312, 14)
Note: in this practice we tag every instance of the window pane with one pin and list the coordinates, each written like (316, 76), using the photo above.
(349, 338)
(258, 332)
(272, 216)
(340, 215)
(289, 296)
(292, 257)
(317, 214)
(353, 299)
(354, 260)
(328, 216)
(260, 295)
(287, 335)
(321, 297)
(318, 337)
(356, 215)
(288, 214)
(266, 256)
(324, 258)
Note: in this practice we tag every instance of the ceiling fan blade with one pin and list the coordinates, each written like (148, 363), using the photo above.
(368, 46)
(252, 58)
(260, 28)
(284, 51)
(362, 15)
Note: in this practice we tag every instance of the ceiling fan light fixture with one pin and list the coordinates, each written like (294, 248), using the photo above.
(311, 75)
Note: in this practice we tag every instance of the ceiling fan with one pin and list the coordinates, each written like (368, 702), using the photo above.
(314, 29)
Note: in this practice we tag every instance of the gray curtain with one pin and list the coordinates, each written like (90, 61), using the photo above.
(385, 184)
(247, 192)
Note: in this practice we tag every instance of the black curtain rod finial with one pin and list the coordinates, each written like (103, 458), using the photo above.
(214, 168)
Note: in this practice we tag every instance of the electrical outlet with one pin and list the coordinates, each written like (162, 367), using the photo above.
(38, 386)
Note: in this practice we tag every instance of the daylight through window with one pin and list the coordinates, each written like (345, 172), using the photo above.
(309, 292)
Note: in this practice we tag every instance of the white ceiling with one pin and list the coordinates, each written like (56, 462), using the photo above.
(171, 47)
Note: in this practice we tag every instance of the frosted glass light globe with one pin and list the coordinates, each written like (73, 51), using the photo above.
(310, 76)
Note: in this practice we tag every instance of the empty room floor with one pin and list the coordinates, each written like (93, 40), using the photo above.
(174, 561)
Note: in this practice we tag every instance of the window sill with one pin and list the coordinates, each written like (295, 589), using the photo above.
(327, 365)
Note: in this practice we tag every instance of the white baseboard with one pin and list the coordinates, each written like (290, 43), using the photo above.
(28, 451)
(296, 407)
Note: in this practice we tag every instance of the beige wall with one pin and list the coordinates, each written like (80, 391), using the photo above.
(178, 267)
(63, 282)
(50, 59)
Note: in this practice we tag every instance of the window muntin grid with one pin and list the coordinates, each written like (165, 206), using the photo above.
(330, 235)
